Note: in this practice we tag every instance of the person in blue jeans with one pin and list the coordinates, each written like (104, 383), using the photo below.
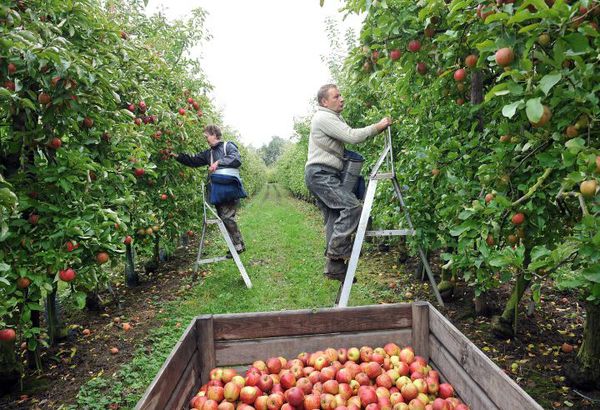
(223, 159)
(322, 175)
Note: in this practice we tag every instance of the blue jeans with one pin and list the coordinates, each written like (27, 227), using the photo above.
(341, 210)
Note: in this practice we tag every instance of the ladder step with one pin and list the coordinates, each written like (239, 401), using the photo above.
(212, 221)
(384, 175)
(391, 232)
(211, 260)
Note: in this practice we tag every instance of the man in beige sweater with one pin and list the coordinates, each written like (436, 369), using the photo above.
(341, 209)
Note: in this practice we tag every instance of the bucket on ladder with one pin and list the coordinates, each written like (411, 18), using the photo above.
(353, 163)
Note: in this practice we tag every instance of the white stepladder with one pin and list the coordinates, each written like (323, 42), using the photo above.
(219, 222)
(388, 157)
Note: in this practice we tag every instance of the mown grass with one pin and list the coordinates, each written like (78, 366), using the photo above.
(284, 259)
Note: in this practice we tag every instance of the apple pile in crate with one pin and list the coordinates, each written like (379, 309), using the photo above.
(388, 378)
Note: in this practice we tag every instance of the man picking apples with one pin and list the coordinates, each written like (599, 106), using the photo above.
(341, 209)
(224, 182)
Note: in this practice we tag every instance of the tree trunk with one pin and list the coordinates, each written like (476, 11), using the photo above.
(477, 95)
(482, 307)
(9, 367)
(56, 329)
(131, 276)
(504, 326)
(33, 356)
(585, 372)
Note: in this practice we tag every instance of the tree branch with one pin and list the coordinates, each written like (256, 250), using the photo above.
(534, 188)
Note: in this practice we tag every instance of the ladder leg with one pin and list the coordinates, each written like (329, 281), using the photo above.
(200, 247)
(339, 293)
(234, 253)
(431, 279)
(358, 241)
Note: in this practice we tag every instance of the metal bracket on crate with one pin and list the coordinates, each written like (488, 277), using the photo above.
(387, 156)
(219, 222)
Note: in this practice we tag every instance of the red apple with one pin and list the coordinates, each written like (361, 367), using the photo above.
(344, 375)
(421, 68)
(328, 401)
(287, 380)
(252, 378)
(215, 393)
(367, 395)
(305, 385)
(225, 405)
(265, 383)
(197, 402)
(518, 218)
(460, 74)
(210, 404)
(446, 390)
(7, 335)
(362, 379)
(102, 258)
(396, 397)
(248, 394)
(384, 380)
(275, 401)
(311, 402)
(409, 391)
(331, 386)
(392, 349)
(327, 373)
(395, 54)
(505, 56)
(273, 365)
(416, 404)
(414, 45)
(182, 111)
(67, 275)
(407, 355)
(295, 396)
(471, 60)
(441, 404)
(261, 403)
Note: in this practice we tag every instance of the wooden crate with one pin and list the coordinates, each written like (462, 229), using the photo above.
(235, 340)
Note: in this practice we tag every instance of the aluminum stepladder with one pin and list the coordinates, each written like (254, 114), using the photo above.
(219, 222)
(388, 157)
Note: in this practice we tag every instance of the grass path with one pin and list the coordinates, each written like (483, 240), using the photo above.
(284, 259)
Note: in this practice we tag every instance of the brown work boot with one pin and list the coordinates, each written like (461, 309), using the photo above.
(335, 269)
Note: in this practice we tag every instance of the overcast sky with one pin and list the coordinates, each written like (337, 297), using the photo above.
(264, 59)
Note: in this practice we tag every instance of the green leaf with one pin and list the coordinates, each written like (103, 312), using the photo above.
(4, 267)
(575, 145)
(592, 273)
(534, 109)
(496, 17)
(509, 110)
(79, 299)
(548, 81)
(520, 16)
(458, 230)
(578, 43)
(500, 89)
(539, 251)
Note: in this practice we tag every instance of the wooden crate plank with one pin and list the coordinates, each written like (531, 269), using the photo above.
(231, 352)
(188, 385)
(206, 345)
(464, 386)
(420, 329)
(501, 389)
(306, 322)
(159, 391)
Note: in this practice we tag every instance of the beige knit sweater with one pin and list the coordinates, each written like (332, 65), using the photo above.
(330, 129)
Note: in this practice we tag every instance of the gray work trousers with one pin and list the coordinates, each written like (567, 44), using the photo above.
(341, 210)
(226, 212)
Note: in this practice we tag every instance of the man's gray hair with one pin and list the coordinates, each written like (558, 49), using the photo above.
(323, 92)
